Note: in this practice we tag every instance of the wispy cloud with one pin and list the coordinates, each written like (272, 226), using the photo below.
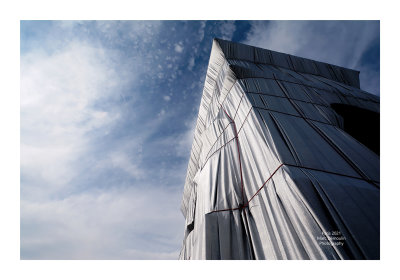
(58, 110)
(84, 180)
(227, 28)
(178, 48)
(103, 224)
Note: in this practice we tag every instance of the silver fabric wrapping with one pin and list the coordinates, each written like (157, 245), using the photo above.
(271, 168)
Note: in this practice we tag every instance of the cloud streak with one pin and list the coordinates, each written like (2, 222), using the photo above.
(102, 225)
(84, 192)
(58, 93)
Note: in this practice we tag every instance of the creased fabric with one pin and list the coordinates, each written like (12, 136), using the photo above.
(272, 173)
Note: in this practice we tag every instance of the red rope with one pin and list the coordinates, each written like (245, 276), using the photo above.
(247, 204)
(229, 209)
(238, 149)
(242, 205)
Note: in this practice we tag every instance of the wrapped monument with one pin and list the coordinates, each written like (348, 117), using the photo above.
(284, 162)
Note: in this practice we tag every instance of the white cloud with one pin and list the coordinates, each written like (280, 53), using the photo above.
(62, 214)
(185, 140)
(161, 113)
(167, 97)
(120, 31)
(227, 28)
(121, 160)
(201, 30)
(178, 48)
(58, 94)
(191, 64)
(369, 80)
(103, 225)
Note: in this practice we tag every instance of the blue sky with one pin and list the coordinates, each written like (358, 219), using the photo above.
(108, 110)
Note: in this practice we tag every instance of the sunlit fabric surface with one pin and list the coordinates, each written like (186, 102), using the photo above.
(272, 170)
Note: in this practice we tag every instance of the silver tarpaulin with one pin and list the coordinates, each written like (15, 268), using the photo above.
(274, 171)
